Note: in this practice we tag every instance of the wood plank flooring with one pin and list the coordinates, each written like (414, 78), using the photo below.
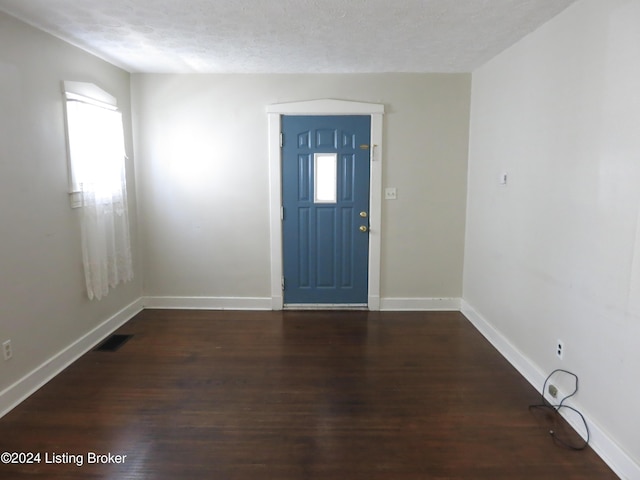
(292, 395)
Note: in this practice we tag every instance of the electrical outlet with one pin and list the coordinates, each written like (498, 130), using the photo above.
(560, 349)
(7, 349)
(553, 391)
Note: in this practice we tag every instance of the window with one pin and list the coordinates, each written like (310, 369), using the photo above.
(95, 141)
(326, 177)
(97, 183)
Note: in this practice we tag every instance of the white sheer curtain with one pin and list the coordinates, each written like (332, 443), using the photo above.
(97, 154)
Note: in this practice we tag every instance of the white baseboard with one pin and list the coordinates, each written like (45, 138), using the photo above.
(600, 441)
(267, 303)
(209, 303)
(419, 304)
(15, 394)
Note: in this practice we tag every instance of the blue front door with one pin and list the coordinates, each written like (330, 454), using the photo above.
(325, 190)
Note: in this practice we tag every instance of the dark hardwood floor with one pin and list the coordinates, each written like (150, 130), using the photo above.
(292, 395)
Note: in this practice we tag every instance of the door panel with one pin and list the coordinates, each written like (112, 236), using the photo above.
(325, 253)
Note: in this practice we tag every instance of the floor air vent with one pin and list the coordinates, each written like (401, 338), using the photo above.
(113, 343)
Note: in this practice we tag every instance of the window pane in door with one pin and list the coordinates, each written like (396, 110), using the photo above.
(326, 177)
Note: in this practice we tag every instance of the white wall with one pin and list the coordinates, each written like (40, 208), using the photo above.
(556, 253)
(202, 164)
(43, 304)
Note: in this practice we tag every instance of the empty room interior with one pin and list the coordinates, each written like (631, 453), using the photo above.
(457, 230)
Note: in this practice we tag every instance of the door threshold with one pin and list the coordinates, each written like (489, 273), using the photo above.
(325, 306)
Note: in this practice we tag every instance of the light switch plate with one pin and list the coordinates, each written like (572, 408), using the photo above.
(390, 193)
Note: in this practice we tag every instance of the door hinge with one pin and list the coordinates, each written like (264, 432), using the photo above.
(281, 139)
(282, 280)
(281, 213)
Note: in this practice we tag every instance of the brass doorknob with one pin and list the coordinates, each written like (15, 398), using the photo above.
(363, 228)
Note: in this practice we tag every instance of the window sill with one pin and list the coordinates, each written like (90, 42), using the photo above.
(75, 199)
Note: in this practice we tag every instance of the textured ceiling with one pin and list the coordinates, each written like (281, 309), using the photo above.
(289, 36)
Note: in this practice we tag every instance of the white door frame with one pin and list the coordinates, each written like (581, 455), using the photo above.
(325, 107)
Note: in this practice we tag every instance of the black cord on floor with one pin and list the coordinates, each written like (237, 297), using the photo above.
(556, 410)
